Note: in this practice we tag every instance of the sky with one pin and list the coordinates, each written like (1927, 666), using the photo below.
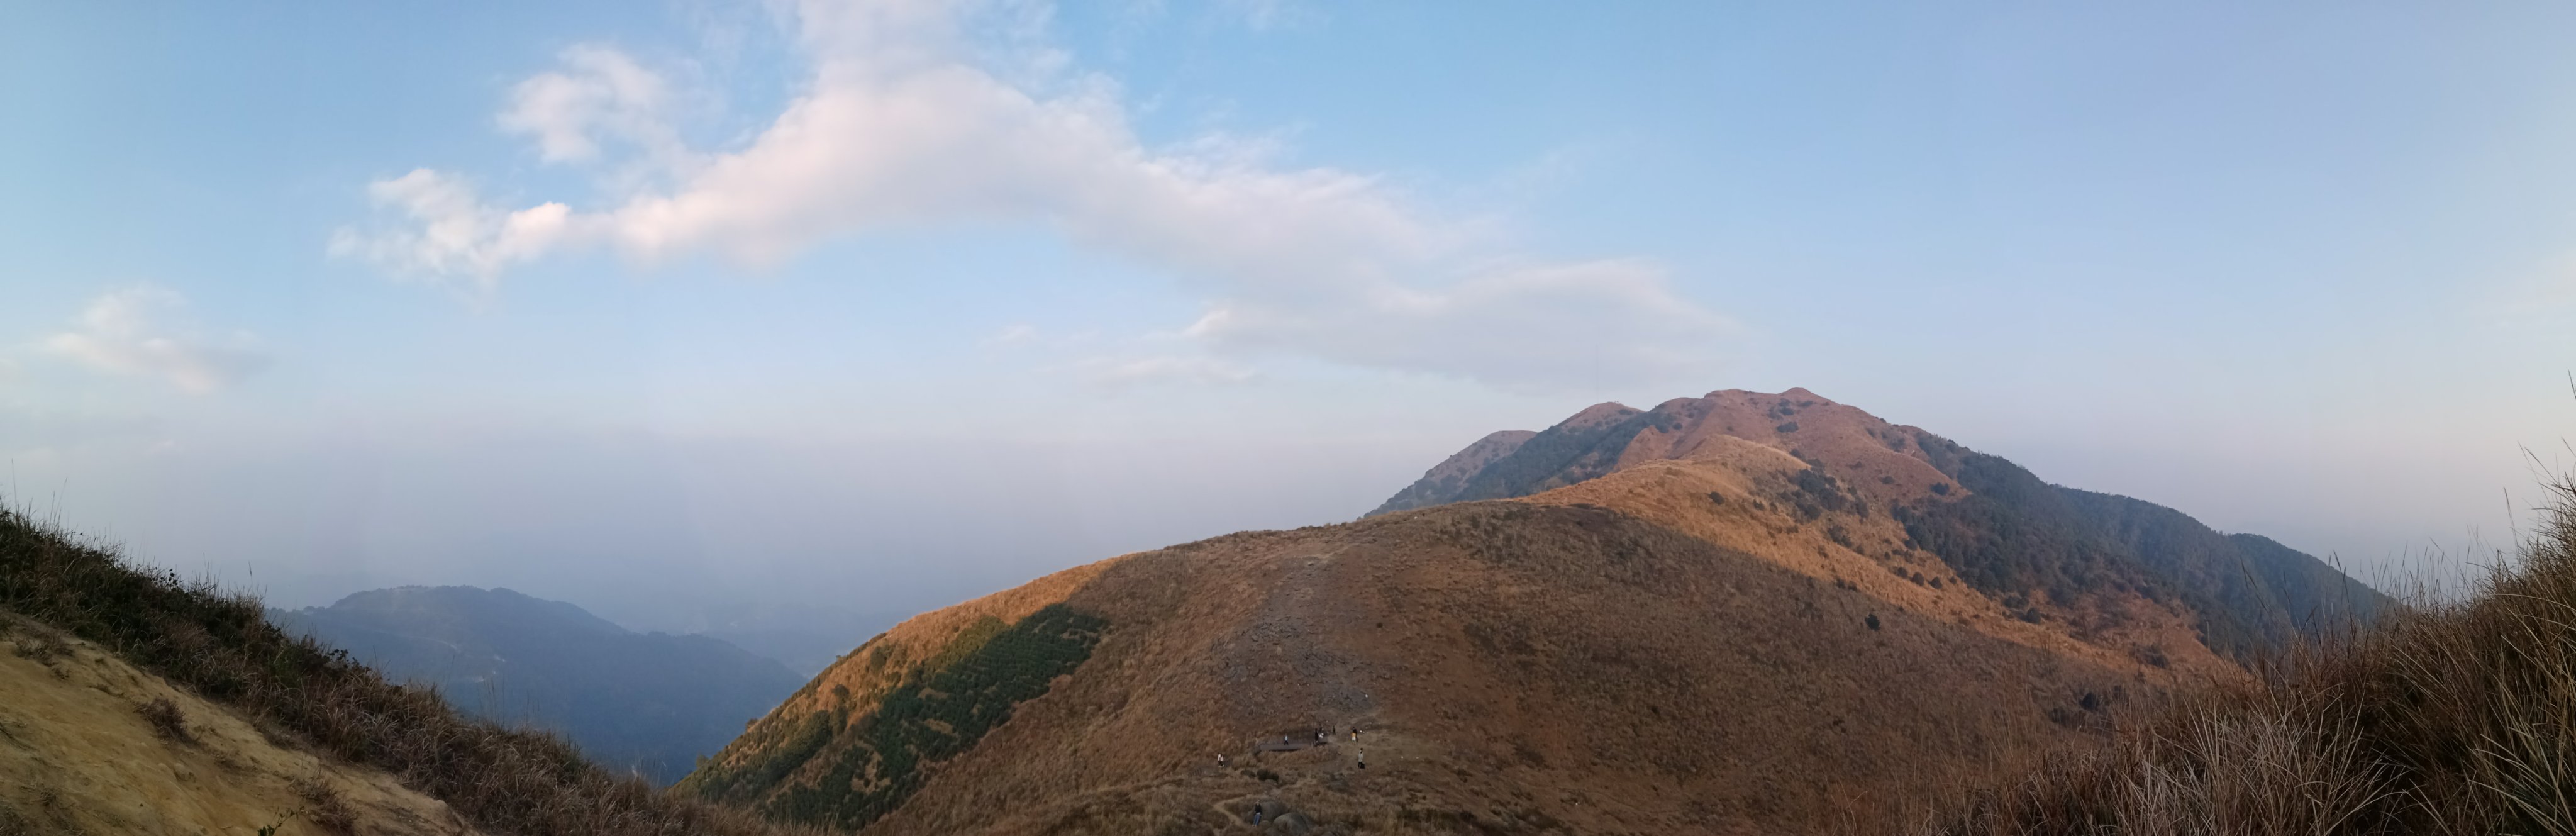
(662, 308)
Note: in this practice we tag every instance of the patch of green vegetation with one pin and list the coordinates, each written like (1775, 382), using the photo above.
(782, 752)
(939, 713)
(1818, 493)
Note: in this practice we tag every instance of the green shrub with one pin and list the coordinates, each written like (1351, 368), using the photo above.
(990, 668)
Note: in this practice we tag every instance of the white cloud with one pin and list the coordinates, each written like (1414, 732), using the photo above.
(600, 95)
(452, 232)
(144, 331)
(917, 112)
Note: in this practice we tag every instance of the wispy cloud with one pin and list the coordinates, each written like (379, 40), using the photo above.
(1012, 335)
(1166, 370)
(145, 331)
(449, 232)
(927, 112)
(599, 96)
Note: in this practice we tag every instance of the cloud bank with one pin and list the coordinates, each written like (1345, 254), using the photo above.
(144, 331)
(918, 112)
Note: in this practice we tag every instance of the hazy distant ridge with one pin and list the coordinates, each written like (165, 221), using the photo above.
(652, 702)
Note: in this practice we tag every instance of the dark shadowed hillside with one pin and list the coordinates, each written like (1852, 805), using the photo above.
(2010, 533)
(650, 702)
(1447, 480)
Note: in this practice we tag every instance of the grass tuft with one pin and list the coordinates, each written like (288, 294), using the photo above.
(324, 807)
(166, 721)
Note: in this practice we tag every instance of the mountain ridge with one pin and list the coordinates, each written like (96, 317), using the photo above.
(1633, 621)
(650, 702)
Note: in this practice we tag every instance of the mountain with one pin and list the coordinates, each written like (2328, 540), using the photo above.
(1740, 613)
(650, 702)
(134, 702)
(2001, 528)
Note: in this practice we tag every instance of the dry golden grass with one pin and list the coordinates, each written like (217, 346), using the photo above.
(91, 745)
(2450, 718)
(1520, 668)
(221, 648)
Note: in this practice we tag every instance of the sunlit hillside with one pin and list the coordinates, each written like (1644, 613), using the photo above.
(1742, 613)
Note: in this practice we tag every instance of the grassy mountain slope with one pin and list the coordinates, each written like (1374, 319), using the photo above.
(1710, 621)
(652, 703)
(299, 696)
(1470, 645)
(2444, 718)
(1733, 614)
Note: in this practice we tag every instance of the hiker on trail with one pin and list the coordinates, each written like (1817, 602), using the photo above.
(1220, 760)
(1256, 814)
(1363, 753)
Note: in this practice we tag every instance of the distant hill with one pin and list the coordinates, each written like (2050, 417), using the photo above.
(651, 702)
(806, 638)
(1742, 613)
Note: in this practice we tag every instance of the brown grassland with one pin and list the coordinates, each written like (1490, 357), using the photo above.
(2450, 718)
(1514, 667)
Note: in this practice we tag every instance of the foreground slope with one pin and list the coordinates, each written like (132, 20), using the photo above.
(89, 744)
(231, 676)
(647, 702)
(2451, 717)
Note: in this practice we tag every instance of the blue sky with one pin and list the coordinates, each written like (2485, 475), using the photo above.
(881, 304)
